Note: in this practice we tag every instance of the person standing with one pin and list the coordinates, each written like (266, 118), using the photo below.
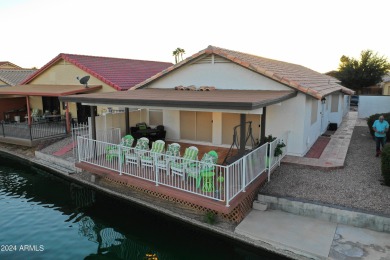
(380, 126)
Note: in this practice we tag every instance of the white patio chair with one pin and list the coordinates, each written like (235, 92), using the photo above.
(158, 147)
(132, 156)
(173, 151)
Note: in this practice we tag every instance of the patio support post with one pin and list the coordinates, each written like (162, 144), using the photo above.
(262, 130)
(127, 119)
(227, 187)
(67, 119)
(242, 133)
(93, 123)
(28, 111)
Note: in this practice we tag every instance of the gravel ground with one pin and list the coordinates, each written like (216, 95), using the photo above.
(357, 186)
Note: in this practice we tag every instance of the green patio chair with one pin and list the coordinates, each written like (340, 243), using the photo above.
(190, 155)
(207, 164)
(158, 147)
(163, 162)
(132, 156)
(112, 151)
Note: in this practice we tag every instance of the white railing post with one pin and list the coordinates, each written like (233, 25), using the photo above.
(120, 159)
(79, 147)
(155, 168)
(244, 161)
(269, 160)
(227, 186)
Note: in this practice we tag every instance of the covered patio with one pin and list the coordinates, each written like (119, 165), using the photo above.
(224, 187)
(30, 126)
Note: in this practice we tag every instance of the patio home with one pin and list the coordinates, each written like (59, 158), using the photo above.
(201, 100)
(61, 76)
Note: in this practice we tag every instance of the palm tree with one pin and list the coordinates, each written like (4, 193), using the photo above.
(178, 53)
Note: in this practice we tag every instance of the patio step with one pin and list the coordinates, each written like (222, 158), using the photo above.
(56, 162)
(52, 166)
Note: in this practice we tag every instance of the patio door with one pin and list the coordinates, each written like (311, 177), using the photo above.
(51, 104)
(196, 126)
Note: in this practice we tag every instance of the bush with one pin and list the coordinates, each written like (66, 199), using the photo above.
(385, 163)
(210, 217)
(371, 120)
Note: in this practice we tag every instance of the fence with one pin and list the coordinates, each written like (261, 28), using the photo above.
(221, 183)
(36, 130)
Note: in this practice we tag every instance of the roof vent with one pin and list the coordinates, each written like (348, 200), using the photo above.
(192, 87)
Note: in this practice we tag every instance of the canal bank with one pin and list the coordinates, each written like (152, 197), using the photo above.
(26, 156)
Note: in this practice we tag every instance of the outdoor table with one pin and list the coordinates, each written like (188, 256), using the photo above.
(208, 181)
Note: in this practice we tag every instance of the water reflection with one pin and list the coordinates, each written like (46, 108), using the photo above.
(73, 222)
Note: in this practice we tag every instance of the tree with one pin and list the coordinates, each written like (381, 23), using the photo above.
(178, 53)
(366, 72)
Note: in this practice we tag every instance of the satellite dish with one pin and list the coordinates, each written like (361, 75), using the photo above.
(84, 80)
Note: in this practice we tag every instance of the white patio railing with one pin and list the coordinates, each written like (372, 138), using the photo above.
(217, 182)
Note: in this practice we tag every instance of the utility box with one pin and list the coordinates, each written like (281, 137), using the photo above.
(332, 127)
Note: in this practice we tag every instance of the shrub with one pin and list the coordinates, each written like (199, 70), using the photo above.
(210, 217)
(385, 163)
(371, 119)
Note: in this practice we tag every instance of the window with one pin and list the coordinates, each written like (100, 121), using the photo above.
(155, 117)
(335, 103)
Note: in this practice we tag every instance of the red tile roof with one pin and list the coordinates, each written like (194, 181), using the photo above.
(295, 76)
(121, 74)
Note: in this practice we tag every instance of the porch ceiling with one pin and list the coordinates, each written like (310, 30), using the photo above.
(46, 90)
(245, 100)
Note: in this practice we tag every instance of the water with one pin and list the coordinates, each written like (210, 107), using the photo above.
(45, 217)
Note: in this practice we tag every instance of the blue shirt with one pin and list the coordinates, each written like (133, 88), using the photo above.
(380, 127)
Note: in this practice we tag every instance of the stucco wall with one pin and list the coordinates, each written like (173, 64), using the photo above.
(7, 104)
(369, 105)
(220, 75)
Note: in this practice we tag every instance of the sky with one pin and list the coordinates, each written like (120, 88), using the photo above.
(314, 34)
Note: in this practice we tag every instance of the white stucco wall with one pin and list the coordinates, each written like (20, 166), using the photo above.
(220, 75)
(369, 105)
(287, 116)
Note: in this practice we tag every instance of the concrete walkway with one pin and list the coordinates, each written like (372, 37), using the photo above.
(333, 156)
(314, 238)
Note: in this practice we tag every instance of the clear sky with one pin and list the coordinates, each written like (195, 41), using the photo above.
(312, 33)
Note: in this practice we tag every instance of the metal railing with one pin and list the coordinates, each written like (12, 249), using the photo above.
(217, 182)
(36, 130)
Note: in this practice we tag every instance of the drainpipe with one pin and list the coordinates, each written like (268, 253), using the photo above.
(127, 119)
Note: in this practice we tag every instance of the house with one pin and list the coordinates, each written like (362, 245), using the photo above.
(63, 76)
(216, 98)
(11, 75)
(277, 97)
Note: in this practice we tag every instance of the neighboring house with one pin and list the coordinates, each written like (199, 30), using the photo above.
(11, 75)
(278, 97)
(385, 84)
(59, 77)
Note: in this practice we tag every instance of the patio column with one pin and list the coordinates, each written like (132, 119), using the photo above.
(242, 133)
(28, 111)
(127, 119)
(93, 122)
(262, 130)
(67, 119)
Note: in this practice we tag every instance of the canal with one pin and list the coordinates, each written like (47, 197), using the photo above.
(46, 217)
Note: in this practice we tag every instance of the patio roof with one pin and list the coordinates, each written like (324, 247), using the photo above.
(46, 90)
(218, 99)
